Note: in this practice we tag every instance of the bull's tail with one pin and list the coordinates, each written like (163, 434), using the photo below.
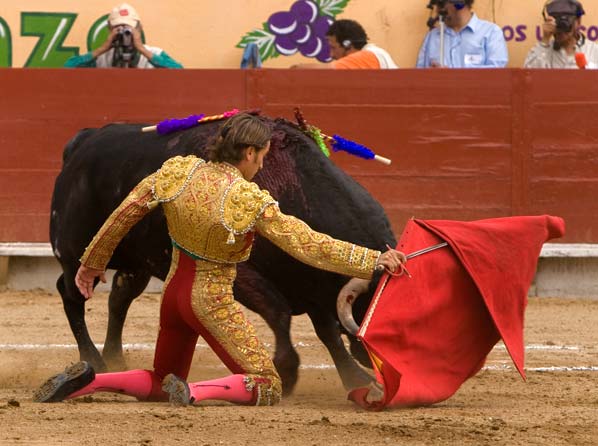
(75, 142)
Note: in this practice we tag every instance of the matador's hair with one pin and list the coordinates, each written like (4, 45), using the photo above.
(235, 135)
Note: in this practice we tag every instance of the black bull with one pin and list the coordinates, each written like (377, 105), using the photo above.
(102, 165)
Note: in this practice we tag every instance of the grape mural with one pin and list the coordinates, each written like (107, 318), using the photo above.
(301, 29)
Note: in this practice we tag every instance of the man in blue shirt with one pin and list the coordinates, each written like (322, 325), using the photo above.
(469, 42)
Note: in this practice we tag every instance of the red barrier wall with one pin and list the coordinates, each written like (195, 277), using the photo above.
(465, 144)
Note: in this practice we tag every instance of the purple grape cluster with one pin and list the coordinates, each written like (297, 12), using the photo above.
(301, 29)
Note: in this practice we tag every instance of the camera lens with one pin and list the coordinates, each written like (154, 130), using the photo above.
(564, 23)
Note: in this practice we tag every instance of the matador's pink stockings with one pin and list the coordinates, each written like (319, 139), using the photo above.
(142, 384)
(232, 389)
(146, 386)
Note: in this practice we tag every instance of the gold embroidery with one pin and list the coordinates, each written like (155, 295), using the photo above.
(198, 199)
(214, 306)
(130, 211)
(314, 248)
(242, 203)
(173, 177)
(265, 393)
(195, 219)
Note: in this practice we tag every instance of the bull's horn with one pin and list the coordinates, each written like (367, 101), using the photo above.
(344, 308)
(344, 303)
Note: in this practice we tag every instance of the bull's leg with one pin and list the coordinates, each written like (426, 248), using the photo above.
(359, 352)
(74, 308)
(259, 295)
(327, 329)
(286, 359)
(126, 286)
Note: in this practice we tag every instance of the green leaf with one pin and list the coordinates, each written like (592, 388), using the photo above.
(264, 40)
(331, 7)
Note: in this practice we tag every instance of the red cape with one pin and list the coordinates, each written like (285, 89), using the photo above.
(429, 333)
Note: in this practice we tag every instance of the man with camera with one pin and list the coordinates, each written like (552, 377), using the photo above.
(563, 45)
(467, 41)
(124, 47)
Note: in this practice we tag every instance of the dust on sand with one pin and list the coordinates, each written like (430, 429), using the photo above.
(557, 405)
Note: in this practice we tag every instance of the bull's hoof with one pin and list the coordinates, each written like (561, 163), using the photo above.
(94, 359)
(287, 366)
(177, 389)
(60, 386)
(357, 380)
(115, 363)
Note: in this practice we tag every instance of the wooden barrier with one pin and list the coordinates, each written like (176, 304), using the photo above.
(465, 144)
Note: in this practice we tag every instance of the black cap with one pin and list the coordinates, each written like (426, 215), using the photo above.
(565, 7)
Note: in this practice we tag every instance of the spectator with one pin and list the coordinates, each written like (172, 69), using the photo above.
(349, 48)
(469, 42)
(563, 45)
(123, 48)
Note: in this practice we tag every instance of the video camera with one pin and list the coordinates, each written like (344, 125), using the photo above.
(124, 47)
(440, 9)
(459, 4)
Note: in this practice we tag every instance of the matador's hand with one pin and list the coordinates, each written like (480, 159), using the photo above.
(391, 260)
(86, 277)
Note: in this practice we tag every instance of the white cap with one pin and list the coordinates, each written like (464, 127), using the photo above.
(123, 14)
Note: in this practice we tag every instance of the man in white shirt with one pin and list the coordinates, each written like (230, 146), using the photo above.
(563, 45)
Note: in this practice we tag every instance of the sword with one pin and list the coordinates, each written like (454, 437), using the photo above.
(426, 250)
(418, 253)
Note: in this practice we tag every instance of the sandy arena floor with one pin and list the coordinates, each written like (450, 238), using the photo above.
(558, 404)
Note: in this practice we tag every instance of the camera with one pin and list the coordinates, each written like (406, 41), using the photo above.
(124, 48)
(564, 22)
(124, 37)
(564, 12)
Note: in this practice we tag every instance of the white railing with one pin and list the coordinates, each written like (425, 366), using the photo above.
(10, 249)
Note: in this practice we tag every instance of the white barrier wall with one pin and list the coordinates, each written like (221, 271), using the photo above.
(564, 270)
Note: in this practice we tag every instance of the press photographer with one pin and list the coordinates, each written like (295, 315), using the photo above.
(563, 45)
(124, 47)
(125, 51)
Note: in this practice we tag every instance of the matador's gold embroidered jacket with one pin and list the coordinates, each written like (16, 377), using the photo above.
(213, 214)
